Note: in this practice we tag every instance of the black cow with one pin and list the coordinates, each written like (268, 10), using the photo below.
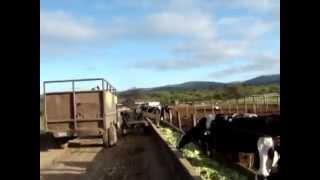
(232, 135)
(199, 133)
(144, 108)
(164, 109)
(125, 118)
(250, 135)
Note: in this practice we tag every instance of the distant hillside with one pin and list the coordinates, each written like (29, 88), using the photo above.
(192, 85)
(201, 90)
(204, 90)
(264, 80)
(207, 85)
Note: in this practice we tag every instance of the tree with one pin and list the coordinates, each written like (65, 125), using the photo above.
(235, 91)
(218, 96)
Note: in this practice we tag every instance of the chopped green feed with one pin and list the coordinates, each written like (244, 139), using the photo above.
(206, 167)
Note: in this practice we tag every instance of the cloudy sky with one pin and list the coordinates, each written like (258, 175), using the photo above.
(150, 43)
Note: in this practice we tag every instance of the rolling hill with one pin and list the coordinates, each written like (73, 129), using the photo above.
(207, 85)
(264, 80)
(202, 90)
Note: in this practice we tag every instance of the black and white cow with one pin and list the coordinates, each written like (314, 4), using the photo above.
(245, 134)
(199, 133)
(247, 115)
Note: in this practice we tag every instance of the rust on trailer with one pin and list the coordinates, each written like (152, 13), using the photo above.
(80, 113)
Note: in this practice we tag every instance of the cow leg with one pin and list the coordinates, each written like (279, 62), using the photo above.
(208, 150)
(251, 160)
(264, 144)
(184, 140)
(228, 156)
(157, 121)
(209, 146)
(235, 157)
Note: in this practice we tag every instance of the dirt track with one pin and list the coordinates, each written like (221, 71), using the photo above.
(135, 157)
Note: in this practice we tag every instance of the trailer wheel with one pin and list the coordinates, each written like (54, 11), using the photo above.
(124, 131)
(146, 129)
(112, 132)
(105, 139)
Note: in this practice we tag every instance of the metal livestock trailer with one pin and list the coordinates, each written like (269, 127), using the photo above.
(90, 113)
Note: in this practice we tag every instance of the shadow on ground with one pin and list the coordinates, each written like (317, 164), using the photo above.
(136, 157)
(47, 142)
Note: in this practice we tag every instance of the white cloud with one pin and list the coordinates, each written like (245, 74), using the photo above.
(208, 40)
(244, 27)
(62, 26)
(260, 6)
(260, 64)
(187, 25)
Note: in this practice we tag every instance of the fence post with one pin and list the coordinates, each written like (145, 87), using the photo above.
(222, 106)
(254, 106)
(237, 105)
(278, 102)
(170, 116)
(267, 103)
(245, 105)
(228, 104)
(194, 120)
(187, 109)
(212, 108)
(194, 115)
(179, 119)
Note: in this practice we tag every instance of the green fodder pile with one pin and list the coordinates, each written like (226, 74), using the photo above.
(206, 167)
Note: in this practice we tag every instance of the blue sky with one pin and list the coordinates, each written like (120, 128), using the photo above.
(149, 43)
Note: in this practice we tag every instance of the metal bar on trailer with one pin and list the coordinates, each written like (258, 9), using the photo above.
(71, 80)
(107, 83)
(104, 114)
(45, 107)
(108, 87)
(78, 120)
(74, 106)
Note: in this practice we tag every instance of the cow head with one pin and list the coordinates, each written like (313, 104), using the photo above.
(210, 118)
(268, 155)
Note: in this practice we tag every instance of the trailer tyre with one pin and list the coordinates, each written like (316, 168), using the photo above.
(105, 139)
(124, 131)
(146, 130)
(112, 132)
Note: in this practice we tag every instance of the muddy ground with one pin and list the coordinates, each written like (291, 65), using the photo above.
(136, 157)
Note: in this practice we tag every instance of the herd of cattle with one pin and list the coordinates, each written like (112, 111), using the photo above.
(231, 134)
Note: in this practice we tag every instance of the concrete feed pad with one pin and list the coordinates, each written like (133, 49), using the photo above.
(135, 157)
